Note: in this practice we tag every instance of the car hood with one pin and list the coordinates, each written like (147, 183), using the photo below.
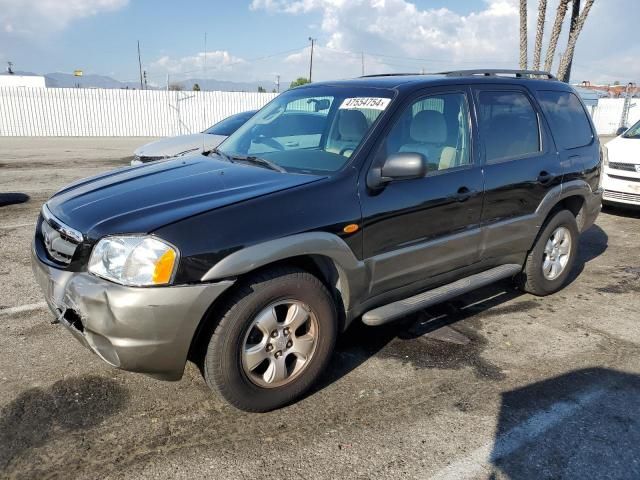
(624, 150)
(144, 198)
(168, 147)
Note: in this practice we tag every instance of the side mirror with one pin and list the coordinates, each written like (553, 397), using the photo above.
(620, 131)
(398, 166)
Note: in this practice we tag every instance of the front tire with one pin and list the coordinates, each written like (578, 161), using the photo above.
(275, 337)
(550, 261)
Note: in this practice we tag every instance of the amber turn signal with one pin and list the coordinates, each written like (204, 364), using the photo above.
(352, 227)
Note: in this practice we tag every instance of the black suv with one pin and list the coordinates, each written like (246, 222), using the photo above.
(362, 199)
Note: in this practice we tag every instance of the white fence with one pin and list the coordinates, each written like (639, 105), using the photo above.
(608, 113)
(104, 112)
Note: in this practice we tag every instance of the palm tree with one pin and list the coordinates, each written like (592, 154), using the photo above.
(555, 33)
(523, 34)
(537, 50)
(567, 58)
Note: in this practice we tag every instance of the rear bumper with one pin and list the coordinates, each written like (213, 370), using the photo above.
(146, 330)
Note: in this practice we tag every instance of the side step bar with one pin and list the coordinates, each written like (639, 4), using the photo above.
(392, 311)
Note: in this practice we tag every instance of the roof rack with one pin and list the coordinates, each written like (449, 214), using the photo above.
(499, 72)
(388, 75)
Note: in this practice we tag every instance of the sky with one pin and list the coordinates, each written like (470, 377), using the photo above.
(259, 39)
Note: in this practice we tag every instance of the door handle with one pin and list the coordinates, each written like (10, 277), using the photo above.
(463, 194)
(544, 177)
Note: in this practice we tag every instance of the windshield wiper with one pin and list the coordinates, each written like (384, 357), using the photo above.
(263, 162)
(219, 153)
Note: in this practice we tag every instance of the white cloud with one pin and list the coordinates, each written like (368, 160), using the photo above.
(218, 60)
(445, 39)
(36, 16)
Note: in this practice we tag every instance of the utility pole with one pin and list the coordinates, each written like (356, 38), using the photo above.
(362, 58)
(312, 40)
(140, 65)
(144, 74)
(10, 68)
(278, 83)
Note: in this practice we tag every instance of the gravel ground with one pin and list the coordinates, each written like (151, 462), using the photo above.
(495, 385)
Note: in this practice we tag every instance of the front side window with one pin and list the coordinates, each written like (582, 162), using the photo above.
(508, 125)
(309, 130)
(437, 127)
(568, 120)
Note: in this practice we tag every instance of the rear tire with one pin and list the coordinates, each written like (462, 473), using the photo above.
(549, 263)
(274, 338)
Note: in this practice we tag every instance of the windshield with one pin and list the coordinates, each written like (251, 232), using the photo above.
(309, 130)
(230, 124)
(633, 132)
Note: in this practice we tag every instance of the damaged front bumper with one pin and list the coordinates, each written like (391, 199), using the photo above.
(146, 330)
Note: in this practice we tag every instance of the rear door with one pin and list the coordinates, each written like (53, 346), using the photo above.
(520, 167)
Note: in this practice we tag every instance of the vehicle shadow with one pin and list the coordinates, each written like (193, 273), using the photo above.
(446, 333)
(36, 415)
(583, 424)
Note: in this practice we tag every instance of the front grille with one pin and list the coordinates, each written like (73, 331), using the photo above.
(60, 240)
(629, 167)
(626, 197)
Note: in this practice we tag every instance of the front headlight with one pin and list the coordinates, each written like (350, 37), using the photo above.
(605, 155)
(134, 260)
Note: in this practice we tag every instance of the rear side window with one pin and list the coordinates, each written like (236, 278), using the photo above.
(508, 125)
(569, 123)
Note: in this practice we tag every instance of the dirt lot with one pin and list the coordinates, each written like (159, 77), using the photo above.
(545, 388)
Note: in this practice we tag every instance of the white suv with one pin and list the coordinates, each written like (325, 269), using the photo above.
(621, 180)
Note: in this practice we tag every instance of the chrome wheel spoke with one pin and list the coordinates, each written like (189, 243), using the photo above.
(546, 266)
(296, 317)
(303, 346)
(277, 370)
(548, 248)
(267, 321)
(254, 356)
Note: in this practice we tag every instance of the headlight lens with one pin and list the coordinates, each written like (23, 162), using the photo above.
(605, 155)
(134, 260)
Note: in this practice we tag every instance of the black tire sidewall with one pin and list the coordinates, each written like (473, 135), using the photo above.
(223, 368)
(536, 281)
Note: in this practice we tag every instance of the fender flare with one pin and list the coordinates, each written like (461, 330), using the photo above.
(352, 273)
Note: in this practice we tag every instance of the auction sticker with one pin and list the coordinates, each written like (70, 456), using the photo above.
(375, 103)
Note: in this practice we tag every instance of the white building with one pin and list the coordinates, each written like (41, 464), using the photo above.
(22, 81)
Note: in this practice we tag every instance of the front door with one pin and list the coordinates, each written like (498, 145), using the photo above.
(416, 229)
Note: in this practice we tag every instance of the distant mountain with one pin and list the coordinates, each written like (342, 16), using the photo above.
(67, 80)
(226, 85)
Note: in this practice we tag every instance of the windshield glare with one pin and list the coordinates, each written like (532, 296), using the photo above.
(633, 132)
(230, 124)
(310, 130)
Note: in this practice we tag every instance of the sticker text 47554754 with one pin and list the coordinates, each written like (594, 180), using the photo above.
(375, 103)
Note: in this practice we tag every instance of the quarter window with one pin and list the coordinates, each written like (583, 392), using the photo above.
(569, 122)
(508, 125)
(437, 127)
